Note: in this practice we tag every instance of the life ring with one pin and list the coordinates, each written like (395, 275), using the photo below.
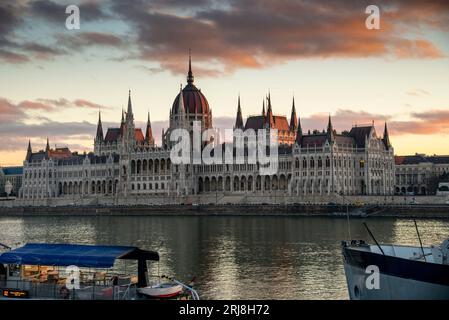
(64, 292)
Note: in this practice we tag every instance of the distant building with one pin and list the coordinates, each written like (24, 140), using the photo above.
(14, 176)
(420, 174)
(443, 189)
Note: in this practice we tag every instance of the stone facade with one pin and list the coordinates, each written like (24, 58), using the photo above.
(420, 174)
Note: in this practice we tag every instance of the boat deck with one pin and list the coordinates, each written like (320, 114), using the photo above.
(399, 251)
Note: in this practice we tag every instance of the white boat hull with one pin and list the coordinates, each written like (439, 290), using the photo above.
(162, 291)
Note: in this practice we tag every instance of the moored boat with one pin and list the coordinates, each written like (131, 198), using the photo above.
(73, 271)
(403, 272)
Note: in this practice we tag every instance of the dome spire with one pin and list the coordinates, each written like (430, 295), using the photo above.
(190, 74)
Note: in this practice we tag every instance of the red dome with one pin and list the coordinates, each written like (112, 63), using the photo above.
(194, 100)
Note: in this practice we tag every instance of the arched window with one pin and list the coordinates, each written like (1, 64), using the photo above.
(133, 167)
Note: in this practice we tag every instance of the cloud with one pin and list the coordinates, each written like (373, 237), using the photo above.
(19, 111)
(89, 39)
(13, 57)
(17, 16)
(55, 12)
(87, 104)
(421, 123)
(15, 134)
(230, 35)
(418, 92)
(260, 33)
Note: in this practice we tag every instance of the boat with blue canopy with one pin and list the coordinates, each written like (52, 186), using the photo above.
(76, 271)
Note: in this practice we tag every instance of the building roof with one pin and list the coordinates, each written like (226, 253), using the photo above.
(194, 100)
(312, 140)
(257, 122)
(420, 158)
(12, 170)
(139, 135)
(60, 153)
(359, 134)
(113, 134)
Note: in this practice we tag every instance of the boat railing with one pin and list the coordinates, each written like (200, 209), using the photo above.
(85, 292)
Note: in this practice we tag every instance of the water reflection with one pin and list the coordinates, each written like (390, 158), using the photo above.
(232, 257)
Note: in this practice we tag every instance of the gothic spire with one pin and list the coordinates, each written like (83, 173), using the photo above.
(386, 137)
(149, 132)
(299, 132)
(47, 147)
(190, 73)
(239, 118)
(330, 130)
(293, 118)
(29, 151)
(129, 113)
(269, 120)
(263, 108)
(99, 135)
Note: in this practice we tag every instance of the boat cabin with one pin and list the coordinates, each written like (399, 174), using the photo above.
(73, 271)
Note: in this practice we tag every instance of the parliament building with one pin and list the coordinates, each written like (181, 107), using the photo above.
(127, 164)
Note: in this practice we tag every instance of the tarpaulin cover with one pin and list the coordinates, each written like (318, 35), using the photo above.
(66, 254)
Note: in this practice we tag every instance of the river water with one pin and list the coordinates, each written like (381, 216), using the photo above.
(232, 257)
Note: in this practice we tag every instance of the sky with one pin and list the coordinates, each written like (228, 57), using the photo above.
(54, 81)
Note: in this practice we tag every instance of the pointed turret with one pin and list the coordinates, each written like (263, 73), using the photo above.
(299, 133)
(129, 113)
(190, 73)
(263, 108)
(386, 137)
(269, 120)
(122, 124)
(149, 139)
(293, 118)
(47, 147)
(330, 130)
(29, 151)
(99, 136)
(239, 118)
